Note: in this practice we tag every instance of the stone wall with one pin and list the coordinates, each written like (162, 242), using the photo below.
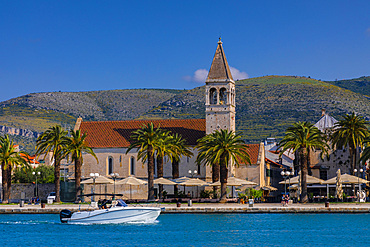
(29, 189)
(338, 159)
(122, 162)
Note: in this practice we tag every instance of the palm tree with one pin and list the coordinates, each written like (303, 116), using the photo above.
(145, 140)
(222, 147)
(9, 159)
(179, 149)
(76, 146)
(301, 138)
(163, 150)
(54, 140)
(350, 131)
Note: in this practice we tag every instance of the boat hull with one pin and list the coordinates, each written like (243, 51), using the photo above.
(115, 215)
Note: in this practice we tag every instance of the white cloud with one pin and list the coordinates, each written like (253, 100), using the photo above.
(368, 31)
(200, 75)
(237, 74)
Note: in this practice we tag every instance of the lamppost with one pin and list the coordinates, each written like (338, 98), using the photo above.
(285, 176)
(34, 173)
(358, 181)
(114, 177)
(192, 173)
(94, 176)
(288, 173)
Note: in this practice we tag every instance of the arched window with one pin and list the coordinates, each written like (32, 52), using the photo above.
(213, 96)
(223, 96)
(110, 165)
(132, 166)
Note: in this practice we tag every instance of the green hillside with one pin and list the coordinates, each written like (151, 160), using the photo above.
(358, 85)
(266, 106)
(39, 111)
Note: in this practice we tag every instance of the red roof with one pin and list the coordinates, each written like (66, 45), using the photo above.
(30, 159)
(273, 162)
(115, 134)
(253, 151)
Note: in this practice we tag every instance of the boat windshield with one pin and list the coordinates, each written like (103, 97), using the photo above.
(121, 203)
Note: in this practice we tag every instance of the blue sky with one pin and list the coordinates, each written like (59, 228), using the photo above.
(100, 45)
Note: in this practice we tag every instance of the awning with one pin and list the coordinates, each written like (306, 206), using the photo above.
(98, 180)
(346, 179)
(163, 181)
(309, 179)
(269, 188)
(131, 181)
(233, 181)
(194, 182)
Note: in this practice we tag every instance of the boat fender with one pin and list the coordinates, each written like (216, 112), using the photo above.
(65, 214)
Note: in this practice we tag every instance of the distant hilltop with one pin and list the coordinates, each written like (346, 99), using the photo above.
(19, 132)
(265, 106)
(358, 85)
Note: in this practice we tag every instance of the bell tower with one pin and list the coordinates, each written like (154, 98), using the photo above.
(220, 94)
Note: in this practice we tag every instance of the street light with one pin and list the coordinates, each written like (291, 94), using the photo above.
(114, 176)
(34, 173)
(358, 180)
(285, 176)
(192, 173)
(288, 174)
(94, 176)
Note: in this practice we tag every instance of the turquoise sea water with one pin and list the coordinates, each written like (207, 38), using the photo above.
(192, 230)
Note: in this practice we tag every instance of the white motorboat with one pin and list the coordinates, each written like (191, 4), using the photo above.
(118, 213)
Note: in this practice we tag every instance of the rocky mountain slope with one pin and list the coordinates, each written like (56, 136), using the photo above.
(266, 106)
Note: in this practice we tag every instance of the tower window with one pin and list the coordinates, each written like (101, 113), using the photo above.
(132, 166)
(213, 96)
(223, 96)
(110, 165)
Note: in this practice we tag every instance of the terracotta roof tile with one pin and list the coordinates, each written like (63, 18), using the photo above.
(253, 151)
(273, 162)
(30, 159)
(114, 134)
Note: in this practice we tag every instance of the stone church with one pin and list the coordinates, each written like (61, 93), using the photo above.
(110, 139)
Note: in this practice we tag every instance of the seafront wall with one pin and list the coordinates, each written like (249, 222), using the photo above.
(29, 190)
(217, 209)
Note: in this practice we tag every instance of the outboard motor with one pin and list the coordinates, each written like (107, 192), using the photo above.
(64, 215)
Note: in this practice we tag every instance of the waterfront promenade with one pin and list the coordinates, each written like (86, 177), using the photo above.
(204, 208)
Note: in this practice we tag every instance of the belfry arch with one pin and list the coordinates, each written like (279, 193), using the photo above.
(213, 96)
(223, 96)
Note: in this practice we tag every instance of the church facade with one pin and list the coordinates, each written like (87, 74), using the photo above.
(110, 139)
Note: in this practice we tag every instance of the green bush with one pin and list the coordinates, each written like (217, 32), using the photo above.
(24, 175)
(206, 193)
(252, 193)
